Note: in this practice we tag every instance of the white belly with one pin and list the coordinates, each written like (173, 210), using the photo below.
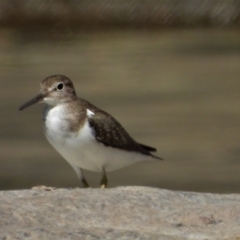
(82, 150)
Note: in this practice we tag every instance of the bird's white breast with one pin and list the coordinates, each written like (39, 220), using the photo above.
(81, 148)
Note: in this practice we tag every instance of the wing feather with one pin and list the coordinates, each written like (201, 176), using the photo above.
(111, 133)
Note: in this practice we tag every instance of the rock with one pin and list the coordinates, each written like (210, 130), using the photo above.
(118, 213)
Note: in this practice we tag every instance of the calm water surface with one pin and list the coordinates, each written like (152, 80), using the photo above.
(177, 91)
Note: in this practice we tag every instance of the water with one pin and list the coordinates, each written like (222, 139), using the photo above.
(175, 90)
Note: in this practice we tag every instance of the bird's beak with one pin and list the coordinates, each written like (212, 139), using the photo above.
(36, 99)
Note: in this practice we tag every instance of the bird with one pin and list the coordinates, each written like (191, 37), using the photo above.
(87, 137)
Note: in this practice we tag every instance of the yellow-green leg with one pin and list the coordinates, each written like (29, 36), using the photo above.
(104, 180)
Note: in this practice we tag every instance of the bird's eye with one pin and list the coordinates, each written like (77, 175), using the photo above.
(60, 86)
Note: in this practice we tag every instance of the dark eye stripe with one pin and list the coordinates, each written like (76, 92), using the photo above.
(68, 84)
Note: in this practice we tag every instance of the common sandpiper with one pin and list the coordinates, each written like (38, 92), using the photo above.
(86, 136)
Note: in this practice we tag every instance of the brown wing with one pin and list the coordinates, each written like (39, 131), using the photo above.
(110, 132)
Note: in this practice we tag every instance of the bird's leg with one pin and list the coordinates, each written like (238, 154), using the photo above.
(84, 182)
(80, 175)
(104, 180)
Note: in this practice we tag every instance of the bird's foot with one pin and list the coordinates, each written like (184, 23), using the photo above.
(104, 180)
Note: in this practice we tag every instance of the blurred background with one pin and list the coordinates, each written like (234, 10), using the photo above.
(167, 70)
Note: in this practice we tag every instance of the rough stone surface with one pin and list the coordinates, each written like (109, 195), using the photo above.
(119, 213)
